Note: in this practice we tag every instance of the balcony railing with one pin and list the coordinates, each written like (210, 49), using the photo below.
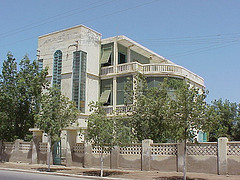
(119, 109)
(167, 69)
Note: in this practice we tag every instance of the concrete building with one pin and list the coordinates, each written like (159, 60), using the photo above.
(88, 68)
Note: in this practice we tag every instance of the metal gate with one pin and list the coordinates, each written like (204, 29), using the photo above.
(57, 153)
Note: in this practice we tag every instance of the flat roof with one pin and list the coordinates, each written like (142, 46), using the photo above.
(127, 42)
(74, 27)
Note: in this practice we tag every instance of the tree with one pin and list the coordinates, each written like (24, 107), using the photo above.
(20, 91)
(150, 108)
(188, 115)
(226, 120)
(56, 112)
(106, 132)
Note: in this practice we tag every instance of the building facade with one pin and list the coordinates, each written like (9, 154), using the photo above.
(88, 68)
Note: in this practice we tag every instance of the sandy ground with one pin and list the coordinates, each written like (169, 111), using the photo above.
(117, 173)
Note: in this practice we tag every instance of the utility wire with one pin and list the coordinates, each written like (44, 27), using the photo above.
(51, 19)
(93, 19)
(199, 50)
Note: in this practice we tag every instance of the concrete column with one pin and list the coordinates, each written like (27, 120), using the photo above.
(87, 155)
(114, 93)
(37, 137)
(128, 54)
(17, 144)
(146, 154)
(71, 141)
(114, 159)
(180, 156)
(115, 51)
(222, 155)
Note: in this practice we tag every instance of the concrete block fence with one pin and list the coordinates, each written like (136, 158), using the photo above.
(220, 157)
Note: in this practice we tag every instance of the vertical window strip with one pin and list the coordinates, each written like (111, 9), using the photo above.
(79, 79)
(57, 68)
(40, 65)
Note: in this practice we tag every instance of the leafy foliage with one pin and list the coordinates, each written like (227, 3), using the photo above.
(106, 132)
(226, 120)
(56, 112)
(20, 91)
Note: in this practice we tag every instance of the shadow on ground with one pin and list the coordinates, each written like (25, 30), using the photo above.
(105, 173)
(176, 178)
(51, 169)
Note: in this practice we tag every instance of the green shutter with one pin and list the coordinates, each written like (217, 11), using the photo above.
(106, 55)
(105, 96)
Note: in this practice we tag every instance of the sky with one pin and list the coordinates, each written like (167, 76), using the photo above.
(200, 35)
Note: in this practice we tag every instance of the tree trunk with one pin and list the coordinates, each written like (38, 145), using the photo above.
(1, 150)
(184, 159)
(101, 159)
(49, 153)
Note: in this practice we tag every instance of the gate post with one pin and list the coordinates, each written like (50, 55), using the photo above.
(146, 154)
(37, 137)
(71, 141)
(222, 155)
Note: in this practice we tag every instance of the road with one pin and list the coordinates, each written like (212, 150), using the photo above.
(14, 175)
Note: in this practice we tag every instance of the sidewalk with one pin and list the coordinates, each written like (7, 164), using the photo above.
(113, 174)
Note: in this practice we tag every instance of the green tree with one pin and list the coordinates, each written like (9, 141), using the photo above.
(150, 108)
(56, 112)
(106, 132)
(226, 120)
(188, 115)
(19, 97)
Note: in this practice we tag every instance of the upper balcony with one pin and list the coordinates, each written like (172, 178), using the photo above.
(152, 69)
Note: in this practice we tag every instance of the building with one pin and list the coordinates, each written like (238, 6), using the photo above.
(88, 68)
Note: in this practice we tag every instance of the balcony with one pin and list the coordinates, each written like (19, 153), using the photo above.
(119, 109)
(152, 69)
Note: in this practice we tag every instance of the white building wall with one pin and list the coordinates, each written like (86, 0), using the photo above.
(68, 41)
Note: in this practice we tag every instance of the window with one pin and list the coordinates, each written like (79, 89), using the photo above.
(79, 79)
(40, 65)
(106, 92)
(121, 85)
(121, 58)
(106, 56)
(154, 81)
(57, 69)
(105, 97)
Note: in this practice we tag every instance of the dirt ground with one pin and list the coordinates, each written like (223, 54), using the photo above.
(117, 173)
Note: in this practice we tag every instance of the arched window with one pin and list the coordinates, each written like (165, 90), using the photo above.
(57, 68)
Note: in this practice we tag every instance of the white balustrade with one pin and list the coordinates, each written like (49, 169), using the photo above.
(169, 69)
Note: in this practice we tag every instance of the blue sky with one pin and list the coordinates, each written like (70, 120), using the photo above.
(201, 35)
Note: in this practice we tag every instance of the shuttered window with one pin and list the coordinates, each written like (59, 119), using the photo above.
(106, 55)
(104, 98)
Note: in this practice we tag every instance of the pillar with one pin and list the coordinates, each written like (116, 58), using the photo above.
(146, 154)
(222, 155)
(37, 137)
(87, 155)
(114, 159)
(180, 156)
(71, 141)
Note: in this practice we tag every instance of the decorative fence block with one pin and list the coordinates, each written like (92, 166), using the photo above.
(233, 149)
(78, 148)
(164, 149)
(97, 150)
(202, 149)
(9, 146)
(25, 146)
(131, 149)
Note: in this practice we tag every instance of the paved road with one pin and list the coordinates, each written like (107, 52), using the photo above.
(14, 175)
